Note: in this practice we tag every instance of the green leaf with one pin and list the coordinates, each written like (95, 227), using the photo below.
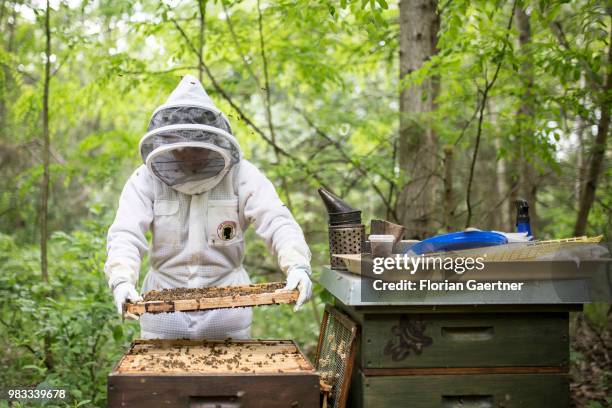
(118, 333)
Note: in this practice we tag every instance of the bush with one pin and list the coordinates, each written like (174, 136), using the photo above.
(71, 318)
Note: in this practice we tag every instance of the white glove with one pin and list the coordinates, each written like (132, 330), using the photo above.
(298, 277)
(122, 292)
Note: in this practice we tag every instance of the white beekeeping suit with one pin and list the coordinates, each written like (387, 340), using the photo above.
(197, 195)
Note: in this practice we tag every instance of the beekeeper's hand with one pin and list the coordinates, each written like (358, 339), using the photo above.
(299, 278)
(122, 292)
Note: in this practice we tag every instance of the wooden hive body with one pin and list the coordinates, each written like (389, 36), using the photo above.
(228, 374)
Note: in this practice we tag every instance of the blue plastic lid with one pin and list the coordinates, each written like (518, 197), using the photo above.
(456, 241)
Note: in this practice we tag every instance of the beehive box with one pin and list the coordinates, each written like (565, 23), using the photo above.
(198, 374)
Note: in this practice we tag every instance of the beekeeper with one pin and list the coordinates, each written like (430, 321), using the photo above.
(197, 195)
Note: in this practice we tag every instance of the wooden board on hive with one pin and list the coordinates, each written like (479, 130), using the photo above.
(161, 357)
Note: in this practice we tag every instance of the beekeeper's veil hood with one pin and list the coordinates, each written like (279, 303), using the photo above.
(189, 144)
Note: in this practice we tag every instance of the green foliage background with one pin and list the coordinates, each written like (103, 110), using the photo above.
(333, 89)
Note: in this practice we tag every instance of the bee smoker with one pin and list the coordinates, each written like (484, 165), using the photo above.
(346, 232)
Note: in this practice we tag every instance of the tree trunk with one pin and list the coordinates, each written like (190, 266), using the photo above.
(201, 37)
(497, 210)
(449, 200)
(46, 152)
(581, 154)
(526, 118)
(48, 359)
(501, 219)
(8, 76)
(599, 150)
(419, 24)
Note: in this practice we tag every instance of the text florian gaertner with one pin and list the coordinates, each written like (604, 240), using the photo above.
(413, 264)
(426, 284)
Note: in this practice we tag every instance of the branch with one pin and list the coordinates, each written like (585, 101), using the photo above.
(230, 25)
(264, 60)
(54, 154)
(364, 172)
(163, 71)
(267, 100)
(318, 149)
(392, 184)
(495, 206)
(263, 92)
(485, 94)
(202, 38)
(241, 114)
(594, 79)
(467, 125)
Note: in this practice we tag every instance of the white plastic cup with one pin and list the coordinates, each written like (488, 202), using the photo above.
(381, 245)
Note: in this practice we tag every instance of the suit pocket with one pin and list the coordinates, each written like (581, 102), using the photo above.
(165, 207)
(166, 223)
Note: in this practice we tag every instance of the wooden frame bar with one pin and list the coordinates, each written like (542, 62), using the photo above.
(221, 302)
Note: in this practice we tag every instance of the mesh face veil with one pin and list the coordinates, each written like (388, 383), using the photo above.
(189, 159)
(188, 115)
(189, 145)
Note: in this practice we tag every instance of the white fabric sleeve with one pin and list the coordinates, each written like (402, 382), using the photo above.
(261, 206)
(126, 240)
